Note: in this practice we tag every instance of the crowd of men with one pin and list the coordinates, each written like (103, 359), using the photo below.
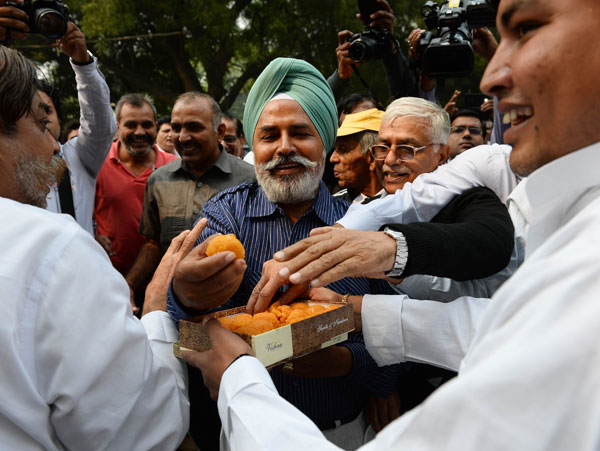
(471, 263)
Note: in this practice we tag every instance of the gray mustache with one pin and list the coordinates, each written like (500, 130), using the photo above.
(291, 159)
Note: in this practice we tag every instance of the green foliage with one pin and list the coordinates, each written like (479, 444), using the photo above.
(219, 46)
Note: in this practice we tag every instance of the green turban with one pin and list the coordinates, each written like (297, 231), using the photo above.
(305, 84)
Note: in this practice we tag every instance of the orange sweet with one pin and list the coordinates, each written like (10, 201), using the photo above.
(222, 243)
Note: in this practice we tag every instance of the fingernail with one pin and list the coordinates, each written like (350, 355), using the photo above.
(315, 283)
(279, 256)
(229, 257)
(284, 273)
(295, 278)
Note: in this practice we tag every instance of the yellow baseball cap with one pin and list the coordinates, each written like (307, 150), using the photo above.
(360, 122)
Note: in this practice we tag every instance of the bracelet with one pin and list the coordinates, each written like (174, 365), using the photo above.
(238, 357)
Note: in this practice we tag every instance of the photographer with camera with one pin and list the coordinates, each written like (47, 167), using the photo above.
(376, 41)
(85, 154)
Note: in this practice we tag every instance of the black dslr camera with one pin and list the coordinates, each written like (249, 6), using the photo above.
(448, 52)
(49, 18)
(371, 43)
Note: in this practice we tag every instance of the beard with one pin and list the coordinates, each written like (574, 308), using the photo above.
(34, 177)
(294, 188)
(132, 139)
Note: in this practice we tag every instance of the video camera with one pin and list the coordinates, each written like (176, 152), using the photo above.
(449, 52)
(371, 43)
(49, 18)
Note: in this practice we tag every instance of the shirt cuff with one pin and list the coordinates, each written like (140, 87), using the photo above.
(159, 326)
(382, 328)
(358, 217)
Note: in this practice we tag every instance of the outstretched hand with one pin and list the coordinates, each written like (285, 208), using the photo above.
(225, 348)
(383, 18)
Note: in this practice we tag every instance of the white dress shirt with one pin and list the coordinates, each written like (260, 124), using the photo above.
(86, 153)
(530, 378)
(78, 370)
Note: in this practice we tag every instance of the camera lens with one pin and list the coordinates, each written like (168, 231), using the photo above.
(358, 51)
(50, 23)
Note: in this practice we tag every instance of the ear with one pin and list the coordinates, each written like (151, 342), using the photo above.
(370, 161)
(221, 130)
(443, 153)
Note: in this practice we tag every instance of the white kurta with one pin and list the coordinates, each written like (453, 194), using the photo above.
(77, 370)
(530, 378)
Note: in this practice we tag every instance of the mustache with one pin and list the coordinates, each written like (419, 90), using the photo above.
(57, 168)
(303, 161)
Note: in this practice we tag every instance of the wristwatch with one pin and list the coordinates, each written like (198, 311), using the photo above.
(401, 252)
(90, 61)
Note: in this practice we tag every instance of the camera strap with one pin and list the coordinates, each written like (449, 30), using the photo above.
(65, 194)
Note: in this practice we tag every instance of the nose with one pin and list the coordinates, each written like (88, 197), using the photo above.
(390, 159)
(335, 157)
(53, 142)
(139, 130)
(497, 77)
(286, 145)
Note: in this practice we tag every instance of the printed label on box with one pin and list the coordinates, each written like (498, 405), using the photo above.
(273, 346)
(335, 340)
(331, 325)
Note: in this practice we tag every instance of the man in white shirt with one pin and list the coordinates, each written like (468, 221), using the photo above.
(78, 370)
(529, 378)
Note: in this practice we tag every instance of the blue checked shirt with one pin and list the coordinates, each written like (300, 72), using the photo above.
(264, 228)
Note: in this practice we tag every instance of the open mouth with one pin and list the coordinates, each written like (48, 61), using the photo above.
(395, 176)
(515, 116)
(287, 168)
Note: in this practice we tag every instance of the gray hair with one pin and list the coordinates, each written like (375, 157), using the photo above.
(136, 100)
(432, 115)
(366, 139)
(188, 97)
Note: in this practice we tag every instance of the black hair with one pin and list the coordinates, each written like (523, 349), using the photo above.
(46, 87)
(472, 113)
(347, 103)
(162, 120)
(239, 128)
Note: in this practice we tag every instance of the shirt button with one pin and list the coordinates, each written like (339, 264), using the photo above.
(199, 184)
(196, 211)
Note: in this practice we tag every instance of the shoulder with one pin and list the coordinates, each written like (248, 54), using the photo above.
(239, 167)
(236, 195)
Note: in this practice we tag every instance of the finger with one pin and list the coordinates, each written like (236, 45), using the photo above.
(16, 25)
(200, 250)
(328, 267)
(324, 294)
(265, 296)
(224, 342)
(293, 293)
(374, 415)
(343, 36)
(301, 246)
(323, 230)
(193, 236)
(383, 417)
(197, 359)
(255, 292)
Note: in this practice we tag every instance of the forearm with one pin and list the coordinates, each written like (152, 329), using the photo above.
(399, 329)
(400, 80)
(97, 120)
(337, 85)
(145, 264)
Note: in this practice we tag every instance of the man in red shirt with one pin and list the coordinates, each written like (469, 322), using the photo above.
(122, 180)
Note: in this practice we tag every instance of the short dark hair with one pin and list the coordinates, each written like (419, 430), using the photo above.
(239, 128)
(188, 97)
(71, 125)
(18, 85)
(54, 93)
(136, 100)
(472, 113)
(348, 102)
(162, 120)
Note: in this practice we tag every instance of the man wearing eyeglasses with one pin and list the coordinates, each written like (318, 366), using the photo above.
(412, 140)
(468, 131)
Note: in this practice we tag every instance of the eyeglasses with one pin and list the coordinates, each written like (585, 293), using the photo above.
(460, 129)
(401, 151)
(230, 138)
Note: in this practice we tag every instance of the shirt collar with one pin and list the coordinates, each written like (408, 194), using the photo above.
(322, 206)
(556, 192)
(223, 163)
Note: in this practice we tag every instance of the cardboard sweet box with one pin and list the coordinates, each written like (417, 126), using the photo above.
(278, 345)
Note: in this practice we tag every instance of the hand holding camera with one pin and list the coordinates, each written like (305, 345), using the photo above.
(49, 18)
(73, 44)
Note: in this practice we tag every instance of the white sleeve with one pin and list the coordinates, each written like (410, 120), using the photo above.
(110, 381)
(422, 199)
(255, 417)
(98, 125)
(399, 329)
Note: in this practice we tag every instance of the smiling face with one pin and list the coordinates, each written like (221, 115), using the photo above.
(194, 134)
(137, 129)
(288, 153)
(546, 78)
(352, 168)
(392, 172)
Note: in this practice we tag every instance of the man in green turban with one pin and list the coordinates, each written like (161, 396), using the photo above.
(290, 122)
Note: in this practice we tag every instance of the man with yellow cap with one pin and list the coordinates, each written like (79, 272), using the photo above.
(354, 165)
